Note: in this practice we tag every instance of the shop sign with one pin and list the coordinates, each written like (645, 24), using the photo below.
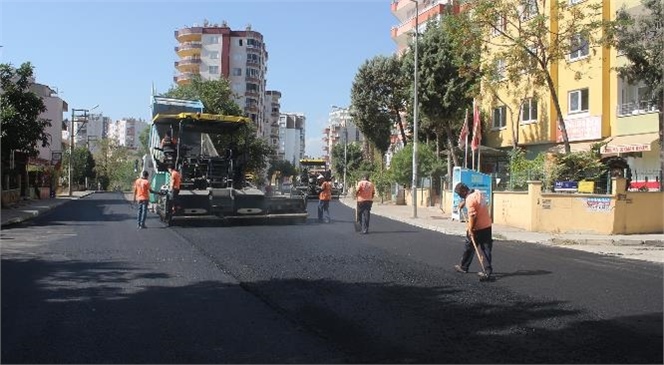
(640, 147)
(582, 129)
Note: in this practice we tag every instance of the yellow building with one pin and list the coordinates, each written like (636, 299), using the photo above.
(596, 104)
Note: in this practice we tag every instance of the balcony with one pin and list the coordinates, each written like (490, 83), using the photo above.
(189, 49)
(637, 107)
(188, 64)
(189, 34)
(184, 78)
(636, 117)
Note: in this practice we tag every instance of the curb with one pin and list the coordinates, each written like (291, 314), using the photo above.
(552, 241)
(29, 214)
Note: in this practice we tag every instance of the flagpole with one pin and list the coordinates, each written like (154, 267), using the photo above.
(472, 151)
(465, 149)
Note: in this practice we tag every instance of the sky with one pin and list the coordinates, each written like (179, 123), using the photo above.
(109, 53)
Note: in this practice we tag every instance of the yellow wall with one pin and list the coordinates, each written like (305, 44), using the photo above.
(512, 209)
(639, 212)
(594, 72)
(619, 213)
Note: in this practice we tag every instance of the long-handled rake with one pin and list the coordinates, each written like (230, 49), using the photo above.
(480, 257)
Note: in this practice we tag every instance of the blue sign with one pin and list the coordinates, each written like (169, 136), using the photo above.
(566, 186)
(474, 180)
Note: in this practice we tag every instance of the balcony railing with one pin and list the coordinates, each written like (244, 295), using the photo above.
(188, 61)
(637, 107)
(188, 45)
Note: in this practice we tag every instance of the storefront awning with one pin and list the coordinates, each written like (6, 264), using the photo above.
(631, 143)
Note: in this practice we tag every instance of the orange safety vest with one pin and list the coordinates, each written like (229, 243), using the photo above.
(142, 189)
(365, 191)
(175, 180)
(326, 192)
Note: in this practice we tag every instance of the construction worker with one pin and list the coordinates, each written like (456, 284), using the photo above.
(479, 230)
(174, 190)
(169, 141)
(142, 197)
(324, 198)
(364, 193)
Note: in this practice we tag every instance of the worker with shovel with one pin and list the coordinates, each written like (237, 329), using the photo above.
(478, 234)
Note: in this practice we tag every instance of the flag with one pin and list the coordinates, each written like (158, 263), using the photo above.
(477, 127)
(463, 136)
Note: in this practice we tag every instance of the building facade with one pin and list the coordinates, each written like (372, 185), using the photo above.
(55, 109)
(597, 105)
(428, 10)
(292, 137)
(340, 130)
(272, 112)
(125, 132)
(213, 51)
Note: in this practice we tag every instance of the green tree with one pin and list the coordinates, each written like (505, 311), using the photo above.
(525, 46)
(144, 143)
(641, 39)
(353, 154)
(114, 165)
(216, 95)
(22, 128)
(376, 94)
(443, 93)
(82, 162)
(401, 166)
(284, 167)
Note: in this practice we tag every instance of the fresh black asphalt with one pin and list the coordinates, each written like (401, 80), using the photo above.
(82, 285)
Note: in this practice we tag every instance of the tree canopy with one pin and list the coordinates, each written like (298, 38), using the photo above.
(641, 39)
(524, 44)
(376, 90)
(22, 128)
(216, 95)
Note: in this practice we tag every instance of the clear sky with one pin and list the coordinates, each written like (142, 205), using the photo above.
(110, 52)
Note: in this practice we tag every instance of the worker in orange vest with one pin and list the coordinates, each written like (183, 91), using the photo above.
(364, 193)
(324, 198)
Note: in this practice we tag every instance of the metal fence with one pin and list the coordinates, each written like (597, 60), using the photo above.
(639, 180)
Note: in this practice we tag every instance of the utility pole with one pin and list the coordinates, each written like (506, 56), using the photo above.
(71, 139)
(415, 111)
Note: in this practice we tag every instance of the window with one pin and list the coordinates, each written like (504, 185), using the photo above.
(214, 55)
(578, 101)
(252, 58)
(578, 47)
(252, 72)
(528, 9)
(499, 117)
(240, 42)
(500, 25)
(501, 67)
(213, 40)
(529, 111)
(213, 69)
(237, 72)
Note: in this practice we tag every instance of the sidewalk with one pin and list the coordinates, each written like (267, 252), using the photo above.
(648, 247)
(28, 209)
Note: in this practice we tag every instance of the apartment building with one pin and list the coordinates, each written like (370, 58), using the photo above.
(272, 112)
(340, 130)
(213, 51)
(292, 137)
(597, 105)
(55, 108)
(405, 12)
(125, 132)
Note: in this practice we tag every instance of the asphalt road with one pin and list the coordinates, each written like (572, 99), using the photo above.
(82, 285)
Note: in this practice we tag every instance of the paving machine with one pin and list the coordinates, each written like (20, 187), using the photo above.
(208, 152)
(307, 182)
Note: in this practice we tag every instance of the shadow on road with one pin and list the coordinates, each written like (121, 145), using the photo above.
(88, 312)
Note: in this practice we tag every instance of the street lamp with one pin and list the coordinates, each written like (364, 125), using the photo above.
(345, 123)
(71, 139)
(415, 110)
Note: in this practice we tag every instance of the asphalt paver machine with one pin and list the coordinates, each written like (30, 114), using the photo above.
(208, 152)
